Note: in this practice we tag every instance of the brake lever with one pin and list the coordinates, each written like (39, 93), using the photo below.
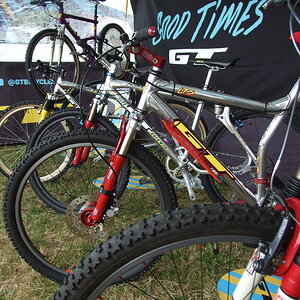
(46, 69)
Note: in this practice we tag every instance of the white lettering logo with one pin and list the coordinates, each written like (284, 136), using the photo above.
(182, 56)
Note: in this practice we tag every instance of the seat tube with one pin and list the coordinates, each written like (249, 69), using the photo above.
(262, 180)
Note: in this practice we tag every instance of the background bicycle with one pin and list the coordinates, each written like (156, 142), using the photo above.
(18, 122)
(54, 48)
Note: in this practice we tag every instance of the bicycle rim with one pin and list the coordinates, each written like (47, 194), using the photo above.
(251, 126)
(17, 124)
(39, 49)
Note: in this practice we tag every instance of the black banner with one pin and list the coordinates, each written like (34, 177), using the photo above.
(268, 65)
(15, 87)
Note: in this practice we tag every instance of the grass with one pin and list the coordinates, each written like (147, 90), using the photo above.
(18, 280)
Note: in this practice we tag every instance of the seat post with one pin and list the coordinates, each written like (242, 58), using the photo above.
(208, 76)
(218, 109)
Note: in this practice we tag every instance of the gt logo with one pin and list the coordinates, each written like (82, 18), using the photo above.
(182, 56)
(186, 92)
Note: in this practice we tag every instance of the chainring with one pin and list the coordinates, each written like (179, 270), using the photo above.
(176, 172)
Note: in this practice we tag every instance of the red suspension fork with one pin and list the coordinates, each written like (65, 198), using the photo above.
(289, 268)
(116, 163)
(82, 153)
(290, 287)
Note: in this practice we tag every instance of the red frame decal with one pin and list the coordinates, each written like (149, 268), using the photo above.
(149, 56)
(196, 148)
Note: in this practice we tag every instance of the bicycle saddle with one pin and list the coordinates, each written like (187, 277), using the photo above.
(210, 63)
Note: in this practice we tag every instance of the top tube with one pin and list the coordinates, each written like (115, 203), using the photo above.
(197, 94)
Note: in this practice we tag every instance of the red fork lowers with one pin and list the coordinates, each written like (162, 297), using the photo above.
(106, 191)
(82, 153)
(107, 187)
(289, 268)
(290, 287)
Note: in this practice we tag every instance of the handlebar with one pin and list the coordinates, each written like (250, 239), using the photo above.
(134, 45)
(57, 2)
(138, 37)
(144, 34)
(35, 2)
(46, 70)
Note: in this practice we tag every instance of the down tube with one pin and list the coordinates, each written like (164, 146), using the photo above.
(205, 157)
(194, 145)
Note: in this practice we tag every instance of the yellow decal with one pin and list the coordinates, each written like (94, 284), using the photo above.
(34, 115)
(202, 148)
(186, 92)
(269, 285)
(31, 116)
(3, 107)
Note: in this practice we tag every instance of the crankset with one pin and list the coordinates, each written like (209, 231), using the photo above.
(180, 174)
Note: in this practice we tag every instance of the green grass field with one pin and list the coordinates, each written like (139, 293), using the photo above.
(18, 280)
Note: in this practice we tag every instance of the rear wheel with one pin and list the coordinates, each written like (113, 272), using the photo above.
(109, 42)
(251, 126)
(17, 123)
(66, 120)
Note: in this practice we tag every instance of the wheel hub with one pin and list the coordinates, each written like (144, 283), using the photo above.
(79, 222)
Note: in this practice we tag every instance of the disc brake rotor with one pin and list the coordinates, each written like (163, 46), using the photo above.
(76, 214)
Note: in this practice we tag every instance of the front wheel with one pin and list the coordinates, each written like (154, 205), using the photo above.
(66, 120)
(198, 247)
(52, 243)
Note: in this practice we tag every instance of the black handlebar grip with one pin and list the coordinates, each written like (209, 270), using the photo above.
(145, 34)
(124, 38)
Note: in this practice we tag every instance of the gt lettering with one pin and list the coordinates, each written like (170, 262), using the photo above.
(182, 56)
